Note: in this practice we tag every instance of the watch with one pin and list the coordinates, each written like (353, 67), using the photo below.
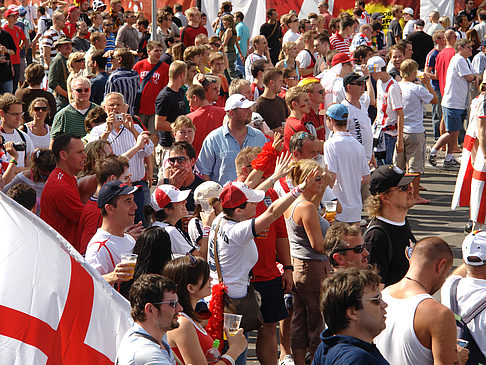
(288, 267)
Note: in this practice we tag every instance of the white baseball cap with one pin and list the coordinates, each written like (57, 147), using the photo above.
(236, 193)
(236, 101)
(165, 194)
(408, 11)
(474, 248)
(207, 190)
(375, 63)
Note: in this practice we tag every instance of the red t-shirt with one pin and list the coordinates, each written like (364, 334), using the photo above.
(318, 122)
(266, 267)
(206, 119)
(339, 43)
(442, 64)
(61, 205)
(17, 35)
(159, 80)
(89, 222)
(69, 29)
(292, 126)
(188, 34)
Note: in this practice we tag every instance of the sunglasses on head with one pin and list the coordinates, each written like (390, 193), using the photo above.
(172, 303)
(355, 249)
(180, 160)
(375, 300)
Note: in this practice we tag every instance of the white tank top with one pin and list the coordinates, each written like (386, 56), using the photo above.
(398, 342)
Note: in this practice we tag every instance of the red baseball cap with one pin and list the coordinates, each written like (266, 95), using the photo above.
(71, 8)
(341, 58)
(236, 193)
(165, 194)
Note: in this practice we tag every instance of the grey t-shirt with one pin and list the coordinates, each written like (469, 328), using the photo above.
(128, 36)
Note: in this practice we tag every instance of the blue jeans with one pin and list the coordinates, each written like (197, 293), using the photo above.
(240, 67)
(139, 197)
(6, 86)
(390, 148)
(241, 360)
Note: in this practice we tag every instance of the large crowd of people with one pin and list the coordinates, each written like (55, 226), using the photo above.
(272, 172)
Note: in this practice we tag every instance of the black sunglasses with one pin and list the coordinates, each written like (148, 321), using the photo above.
(40, 108)
(180, 160)
(355, 249)
(402, 188)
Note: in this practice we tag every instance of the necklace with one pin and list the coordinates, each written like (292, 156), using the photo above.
(418, 282)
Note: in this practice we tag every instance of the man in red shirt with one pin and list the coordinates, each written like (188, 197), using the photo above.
(73, 14)
(152, 88)
(312, 86)
(298, 102)
(18, 35)
(206, 117)
(193, 27)
(340, 41)
(61, 205)
(444, 58)
(111, 168)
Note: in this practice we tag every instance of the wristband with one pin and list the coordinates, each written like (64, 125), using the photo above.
(206, 231)
(272, 180)
(227, 360)
(296, 192)
(14, 161)
(288, 267)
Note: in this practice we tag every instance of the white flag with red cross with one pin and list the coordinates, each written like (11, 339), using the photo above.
(54, 308)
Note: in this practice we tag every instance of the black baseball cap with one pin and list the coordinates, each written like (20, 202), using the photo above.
(353, 77)
(112, 189)
(389, 176)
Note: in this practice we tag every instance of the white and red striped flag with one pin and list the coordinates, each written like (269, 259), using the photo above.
(54, 308)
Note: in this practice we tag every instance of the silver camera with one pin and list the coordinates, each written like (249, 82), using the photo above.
(119, 117)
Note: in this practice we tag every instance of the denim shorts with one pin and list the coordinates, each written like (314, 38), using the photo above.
(453, 118)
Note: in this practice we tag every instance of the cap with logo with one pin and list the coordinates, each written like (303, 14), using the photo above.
(112, 189)
(11, 10)
(389, 176)
(375, 64)
(98, 4)
(236, 193)
(474, 248)
(236, 101)
(165, 194)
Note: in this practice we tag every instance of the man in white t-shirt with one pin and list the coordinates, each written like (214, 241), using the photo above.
(469, 281)
(307, 57)
(347, 163)
(292, 34)
(110, 241)
(455, 102)
(388, 125)
(414, 95)
(260, 52)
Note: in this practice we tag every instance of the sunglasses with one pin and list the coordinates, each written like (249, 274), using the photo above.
(180, 160)
(192, 259)
(402, 188)
(79, 60)
(108, 25)
(40, 108)
(172, 303)
(375, 300)
(355, 249)
(86, 90)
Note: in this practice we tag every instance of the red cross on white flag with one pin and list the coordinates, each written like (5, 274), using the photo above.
(54, 308)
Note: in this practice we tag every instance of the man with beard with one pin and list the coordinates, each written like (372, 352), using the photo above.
(155, 308)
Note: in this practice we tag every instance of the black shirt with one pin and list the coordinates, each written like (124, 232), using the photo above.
(167, 58)
(6, 67)
(392, 266)
(394, 30)
(471, 16)
(98, 84)
(169, 104)
(142, 45)
(274, 38)
(422, 44)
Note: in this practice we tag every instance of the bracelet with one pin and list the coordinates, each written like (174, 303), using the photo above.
(272, 180)
(227, 360)
(14, 161)
(288, 267)
(296, 192)
(206, 231)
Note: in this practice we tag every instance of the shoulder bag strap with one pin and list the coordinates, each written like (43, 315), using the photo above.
(147, 77)
(453, 296)
(216, 258)
(473, 312)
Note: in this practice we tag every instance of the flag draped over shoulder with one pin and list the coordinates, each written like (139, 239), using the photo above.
(54, 308)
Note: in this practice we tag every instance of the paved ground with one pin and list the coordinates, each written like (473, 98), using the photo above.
(435, 219)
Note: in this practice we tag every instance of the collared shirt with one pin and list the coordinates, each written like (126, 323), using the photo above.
(126, 83)
(121, 142)
(136, 349)
(219, 151)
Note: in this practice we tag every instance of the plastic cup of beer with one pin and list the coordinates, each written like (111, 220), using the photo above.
(232, 322)
(330, 206)
(131, 259)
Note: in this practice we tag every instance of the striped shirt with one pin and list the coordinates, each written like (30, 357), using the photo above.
(121, 142)
(126, 83)
(110, 46)
(70, 120)
(249, 61)
(340, 44)
(48, 40)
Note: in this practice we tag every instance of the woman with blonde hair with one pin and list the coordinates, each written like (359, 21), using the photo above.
(229, 41)
(287, 57)
(445, 22)
(306, 230)
(75, 64)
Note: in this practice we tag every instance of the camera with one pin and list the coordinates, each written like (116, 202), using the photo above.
(119, 117)
(18, 146)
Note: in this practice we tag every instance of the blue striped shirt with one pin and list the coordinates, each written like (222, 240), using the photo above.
(126, 83)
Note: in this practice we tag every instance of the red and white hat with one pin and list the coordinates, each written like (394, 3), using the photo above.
(236, 193)
(165, 194)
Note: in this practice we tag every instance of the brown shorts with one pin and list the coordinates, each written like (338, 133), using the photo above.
(413, 154)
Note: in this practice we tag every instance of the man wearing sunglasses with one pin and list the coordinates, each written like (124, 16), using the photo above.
(389, 234)
(155, 308)
(354, 312)
(419, 329)
(345, 247)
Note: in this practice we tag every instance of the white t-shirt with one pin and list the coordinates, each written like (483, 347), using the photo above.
(338, 93)
(290, 36)
(249, 61)
(346, 157)
(394, 102)
(408, 28)
(178, 242)
(305, 59)
(15, 137)
(359, 124)
(237, 254)
(470, 291)
(195, 231)
(456, 87)
(414, 96)
(104, 250)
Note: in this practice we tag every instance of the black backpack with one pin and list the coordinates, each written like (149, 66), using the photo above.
(476, 356)
(48, 23)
